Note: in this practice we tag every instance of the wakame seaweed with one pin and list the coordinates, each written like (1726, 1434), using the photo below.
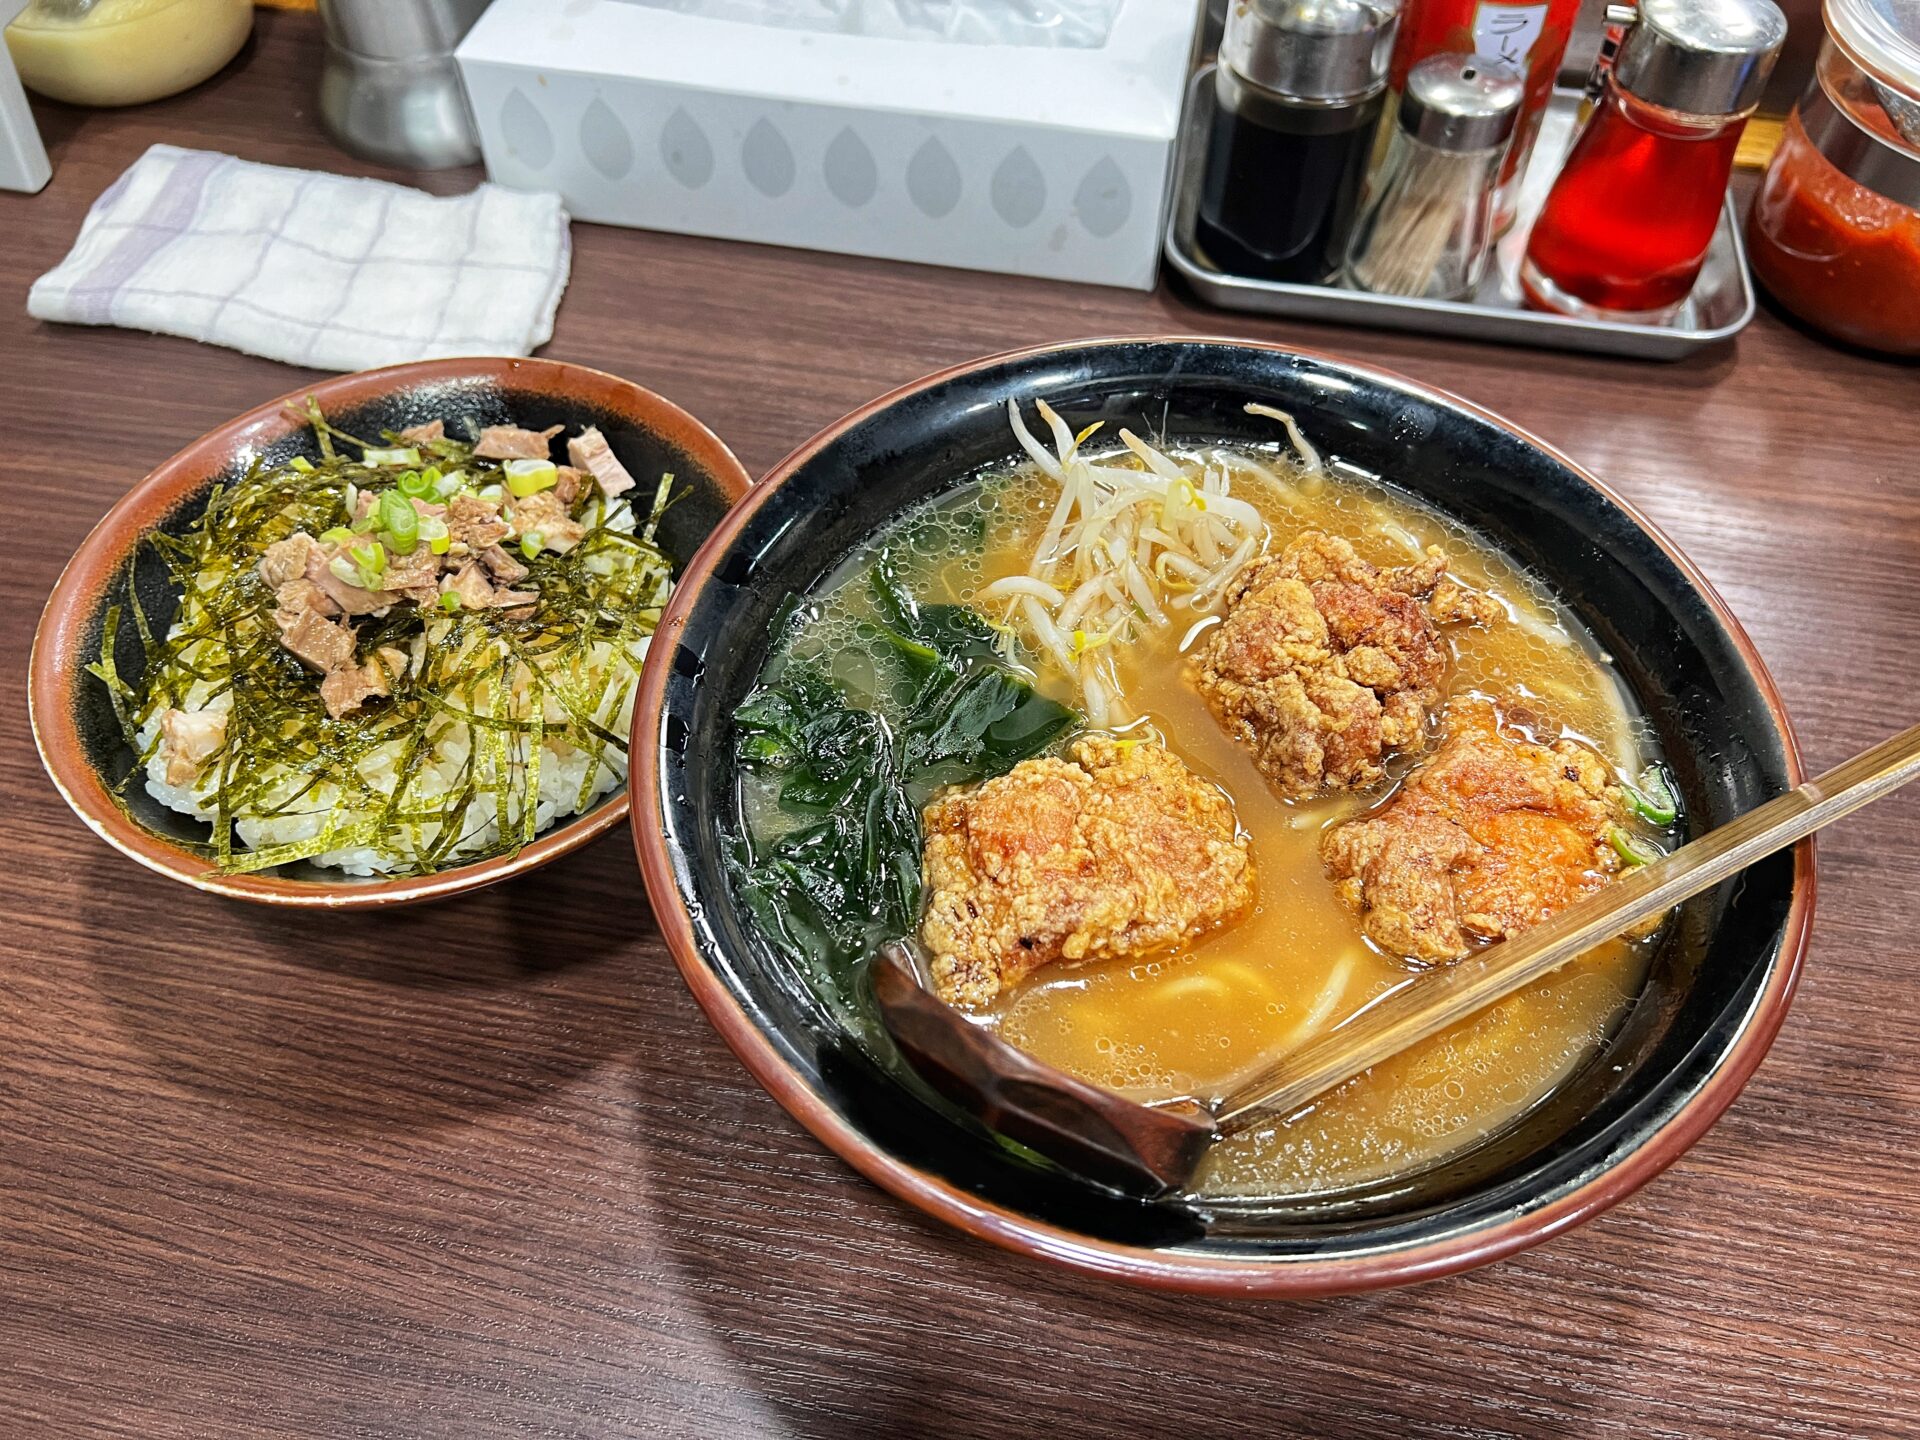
(848, 874)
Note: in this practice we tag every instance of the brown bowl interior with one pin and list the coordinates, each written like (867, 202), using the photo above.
(81, 741)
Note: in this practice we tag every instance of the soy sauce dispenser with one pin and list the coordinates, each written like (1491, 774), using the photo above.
(1298, 91)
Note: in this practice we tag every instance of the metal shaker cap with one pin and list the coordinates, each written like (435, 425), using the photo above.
(1461, 102)
(1324, 50)
(1701, 57)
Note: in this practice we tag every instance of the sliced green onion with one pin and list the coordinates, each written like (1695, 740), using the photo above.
(1633, 851)
(399, 522)
(351, 496)
(415, 485)
(449, 601)
(344, 570)
(302, 464)
(434, 531)
(401, 455)
(530, 477)
(370, 559)
(492, 494)
(531, 543)
(338, 535)
(1653, 798)
(448, 486)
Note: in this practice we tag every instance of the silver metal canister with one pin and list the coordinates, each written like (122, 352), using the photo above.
(390, 90)
(1426, 228)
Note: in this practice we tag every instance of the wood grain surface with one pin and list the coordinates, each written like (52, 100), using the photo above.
(482, 1169)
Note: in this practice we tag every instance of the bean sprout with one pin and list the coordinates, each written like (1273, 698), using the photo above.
(1135, 537)
(1310, 463)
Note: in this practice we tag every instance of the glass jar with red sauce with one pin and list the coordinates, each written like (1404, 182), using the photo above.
(1834, 233)
(1626, 226)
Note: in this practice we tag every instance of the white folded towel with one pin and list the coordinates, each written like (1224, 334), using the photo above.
(310, 268)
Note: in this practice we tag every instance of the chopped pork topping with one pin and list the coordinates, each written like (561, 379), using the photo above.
(321, 644)
(471, 585)
(187, 742)
(477, 591)
(1121, 850)
(589, 450)
(348, 598)
(314, 603)
(414, 577)
(348, 688)
(286, 559)
(545, 516)
(510, 442)
(502, 566)
(1324, 665)
(393, 662)
(476, 523)
(324, 645)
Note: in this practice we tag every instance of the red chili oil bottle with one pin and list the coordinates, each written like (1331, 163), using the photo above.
(1626, 227)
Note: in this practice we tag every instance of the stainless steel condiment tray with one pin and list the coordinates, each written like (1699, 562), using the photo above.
(1721, 304)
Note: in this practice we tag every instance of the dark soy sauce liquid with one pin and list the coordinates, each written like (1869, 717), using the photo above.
(1282, 182)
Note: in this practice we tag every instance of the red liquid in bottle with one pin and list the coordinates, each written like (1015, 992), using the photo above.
(1627, 225)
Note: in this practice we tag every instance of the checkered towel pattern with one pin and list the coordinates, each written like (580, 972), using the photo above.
(314, 269)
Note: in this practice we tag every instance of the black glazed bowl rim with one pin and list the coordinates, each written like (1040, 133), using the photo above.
(1663, 1102)
(77, 737)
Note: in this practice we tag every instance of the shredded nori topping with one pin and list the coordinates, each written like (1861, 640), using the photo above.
(510, 681)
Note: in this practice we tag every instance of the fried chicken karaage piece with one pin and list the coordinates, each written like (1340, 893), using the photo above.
(1119, 850)
(1325, 664)
(1492, 835)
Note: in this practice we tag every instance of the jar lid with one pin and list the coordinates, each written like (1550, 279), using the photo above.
(1320, 50)
(1701, 57)
(1882, 37)
(1461, 102)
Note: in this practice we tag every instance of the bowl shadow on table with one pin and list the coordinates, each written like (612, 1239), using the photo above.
(378, 1021)
(851, 1314)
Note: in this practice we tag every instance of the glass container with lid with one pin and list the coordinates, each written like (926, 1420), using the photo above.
(1427, 226)
(1626, 227)
(1834, 233)
(1297, 96)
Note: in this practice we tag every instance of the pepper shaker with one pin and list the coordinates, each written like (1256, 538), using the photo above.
(1297, 93)
(1427, 225)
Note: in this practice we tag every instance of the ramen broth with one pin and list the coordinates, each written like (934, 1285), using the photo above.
(1195, 1020)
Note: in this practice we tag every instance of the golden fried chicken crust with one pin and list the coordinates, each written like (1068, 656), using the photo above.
(1119, 850)
(1491, 836)
(1324, 663)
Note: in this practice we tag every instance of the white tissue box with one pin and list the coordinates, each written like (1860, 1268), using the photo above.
(1040, 159)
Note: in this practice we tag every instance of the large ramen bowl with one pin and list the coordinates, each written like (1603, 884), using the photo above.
(1719, 983)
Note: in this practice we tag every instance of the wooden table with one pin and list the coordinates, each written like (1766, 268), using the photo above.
(482, 1169)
